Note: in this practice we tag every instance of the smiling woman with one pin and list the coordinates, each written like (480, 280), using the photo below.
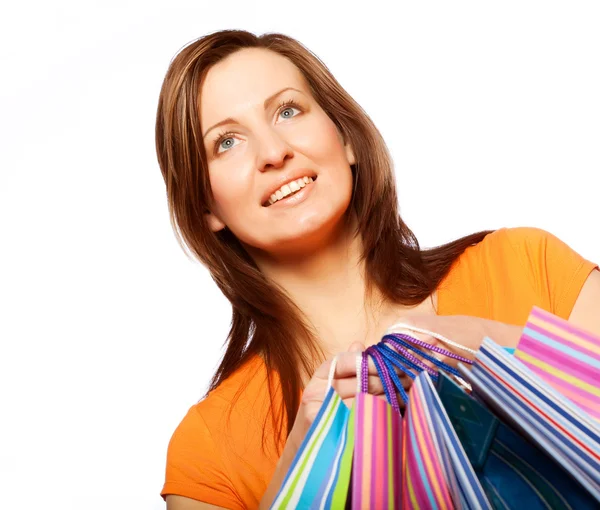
(283, 188)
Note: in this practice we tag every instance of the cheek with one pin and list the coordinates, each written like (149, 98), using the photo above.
(322, 141)
(227, 193)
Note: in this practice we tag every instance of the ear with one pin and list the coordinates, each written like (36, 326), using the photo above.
(214, 223)
(348, 149)
(350, 154)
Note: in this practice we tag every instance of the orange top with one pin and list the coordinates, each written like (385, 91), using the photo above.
(217, 457)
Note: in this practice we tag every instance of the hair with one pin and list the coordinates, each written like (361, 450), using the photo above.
(265, 321)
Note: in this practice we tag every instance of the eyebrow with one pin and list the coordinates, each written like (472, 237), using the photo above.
(231, 120)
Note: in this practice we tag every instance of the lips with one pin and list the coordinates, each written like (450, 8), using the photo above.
(286, 179)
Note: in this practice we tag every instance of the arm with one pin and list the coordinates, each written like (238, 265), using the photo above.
(470, 331)
(586, 312)
(180, 503)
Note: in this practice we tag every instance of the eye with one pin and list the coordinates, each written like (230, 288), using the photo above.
(225, 141)
(287, 112)
(286, 109)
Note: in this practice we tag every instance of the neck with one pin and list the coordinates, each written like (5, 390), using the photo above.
(329, 287)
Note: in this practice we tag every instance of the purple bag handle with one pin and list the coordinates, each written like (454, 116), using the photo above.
(434, 348)
(386, 380)
(364, 378)
(403, 343)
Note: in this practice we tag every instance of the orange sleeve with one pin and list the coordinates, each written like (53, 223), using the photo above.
(557, 271)
(194, 467)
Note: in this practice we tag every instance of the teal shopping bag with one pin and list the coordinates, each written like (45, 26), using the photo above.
(513, 471)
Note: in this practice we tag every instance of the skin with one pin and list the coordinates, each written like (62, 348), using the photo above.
(305, 248)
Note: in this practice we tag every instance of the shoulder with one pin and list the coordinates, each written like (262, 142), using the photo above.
(513, 269)
(216, 453)
(532, 241)
(546, 259)
(502, 251)
(512, 238)
(516, 248)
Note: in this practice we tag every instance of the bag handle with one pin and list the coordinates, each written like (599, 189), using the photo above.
(333, 366)
(384, 375)
(386, 359)
(404, 361)
(430, 347)
(394, 376)
(401, 357)
(437, 336)
(331, 376)
(399, 342)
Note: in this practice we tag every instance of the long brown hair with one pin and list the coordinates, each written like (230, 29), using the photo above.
(265, 321)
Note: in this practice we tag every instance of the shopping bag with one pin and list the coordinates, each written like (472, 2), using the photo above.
(425, 482)
(514, 472)
(437, 472)
(544, 416)
(565, 356)
(376, 473)
(320, 472)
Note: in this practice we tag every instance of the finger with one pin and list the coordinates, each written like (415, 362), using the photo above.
(406, 382)
(347, 387)
(350, 401)
(356, 347)
(345, 366)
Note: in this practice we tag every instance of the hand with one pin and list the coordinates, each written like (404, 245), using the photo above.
(344, 383)
(466, 330)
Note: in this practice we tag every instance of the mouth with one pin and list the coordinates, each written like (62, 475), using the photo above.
(289, 190)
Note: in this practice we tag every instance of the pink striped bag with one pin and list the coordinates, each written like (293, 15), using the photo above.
(565, 356)
(376, 469)
(425, 483)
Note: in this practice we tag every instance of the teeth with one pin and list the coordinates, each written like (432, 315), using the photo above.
(288, 189)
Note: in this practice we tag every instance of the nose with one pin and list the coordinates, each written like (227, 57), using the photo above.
(273, 150)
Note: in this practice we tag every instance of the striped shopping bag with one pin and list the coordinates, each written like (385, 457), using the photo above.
(424, 480)
(376, 466)
(319, 476)
(436, 470)
(565, 356)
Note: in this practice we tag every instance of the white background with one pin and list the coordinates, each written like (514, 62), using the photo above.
(108, 332)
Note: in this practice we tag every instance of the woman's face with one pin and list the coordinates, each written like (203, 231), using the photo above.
(271, 138)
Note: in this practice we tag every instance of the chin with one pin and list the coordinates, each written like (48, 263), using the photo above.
(307, 237)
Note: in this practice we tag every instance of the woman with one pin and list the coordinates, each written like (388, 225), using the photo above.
(283, 187)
